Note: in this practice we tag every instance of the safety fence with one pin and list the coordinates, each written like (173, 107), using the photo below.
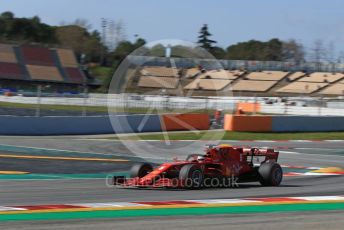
(103, 104)
(301, 110)
(108, 104)
(249, 65)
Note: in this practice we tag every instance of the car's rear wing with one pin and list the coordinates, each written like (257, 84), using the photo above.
(270, 154)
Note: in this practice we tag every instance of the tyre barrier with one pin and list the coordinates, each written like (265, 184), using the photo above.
(177, 122)
(247, 123)
(248, 107)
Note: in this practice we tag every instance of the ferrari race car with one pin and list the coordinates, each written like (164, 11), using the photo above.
(220, 166)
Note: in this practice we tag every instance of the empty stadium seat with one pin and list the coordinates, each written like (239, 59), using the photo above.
(158, 82)
(208, 84)
(301, 87)
(322, 77)
(7, 54)
(236, 72)
(295, 76)
(221, 74)
(193, 72)
(39, 63)
(160, 71)
(37, 55)
(74, 75)
(267, 75)
(253, 86)
(335, 89)
(67, 58)
(48, 73)
(10, 71)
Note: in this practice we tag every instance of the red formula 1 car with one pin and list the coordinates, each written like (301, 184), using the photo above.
(221, 165)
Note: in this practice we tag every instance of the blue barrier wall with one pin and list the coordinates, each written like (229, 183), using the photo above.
(136, 123)
(15, 125)
(307, 123)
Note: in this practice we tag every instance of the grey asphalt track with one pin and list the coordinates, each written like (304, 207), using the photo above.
(33, 192)
(30, 192)
(267, 221)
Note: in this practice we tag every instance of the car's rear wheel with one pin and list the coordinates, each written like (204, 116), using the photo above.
(140, 170)
(270, 174)
(191, 176)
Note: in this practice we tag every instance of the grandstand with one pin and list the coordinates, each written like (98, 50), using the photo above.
(42, 65)
(158, 82)
(160, 71)
(263, 83)
(10, 71)
(9, 66)
(317, 82)
(67, 58)
(211, 80)
(296, 75)
(301, 87)
(26, 66)
(266, 75)
(157, 77)
(37, 55)
(253, 86)
(208, 84)
(333, 90)
(221, 74)
(29, 66)
(74, 75)
(322, 77)
(46, 73)
(7, 54)
(259, 81)
(192, 72)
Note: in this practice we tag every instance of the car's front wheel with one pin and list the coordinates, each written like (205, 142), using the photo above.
(140, 170)
(191, 176)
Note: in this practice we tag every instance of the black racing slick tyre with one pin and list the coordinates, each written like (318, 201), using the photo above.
(191, 176)
(140, 170)
(270, 174)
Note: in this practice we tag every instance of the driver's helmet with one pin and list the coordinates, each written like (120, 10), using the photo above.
(200, 158)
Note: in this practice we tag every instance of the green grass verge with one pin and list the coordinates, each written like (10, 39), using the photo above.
(74, 108)
(100, 72)
(174, 211)
(223, 135)
(53, 107)
(99, 108)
